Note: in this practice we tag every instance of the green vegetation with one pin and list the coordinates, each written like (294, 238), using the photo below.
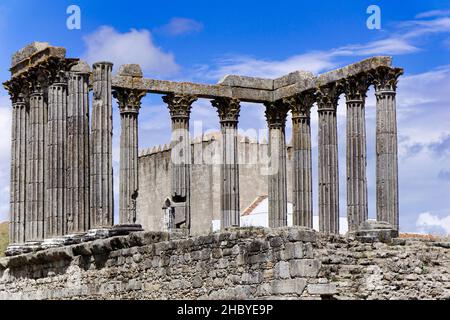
(4, 237)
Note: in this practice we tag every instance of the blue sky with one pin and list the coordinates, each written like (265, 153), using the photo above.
(204, 40)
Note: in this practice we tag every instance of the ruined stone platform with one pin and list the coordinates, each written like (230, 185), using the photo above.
(242, 263)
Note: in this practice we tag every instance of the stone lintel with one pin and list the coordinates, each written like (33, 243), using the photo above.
(28, 51)
(249, 89)
(247, 82)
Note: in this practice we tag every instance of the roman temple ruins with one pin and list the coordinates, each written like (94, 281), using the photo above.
(61, 164)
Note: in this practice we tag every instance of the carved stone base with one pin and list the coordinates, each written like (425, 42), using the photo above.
(18, 249)
(95, 234)
(63, 241)
(124, 229)
(375, 231)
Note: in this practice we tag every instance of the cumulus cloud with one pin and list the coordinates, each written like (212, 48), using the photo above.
(432, 223)
(135, 46)
(179, 26)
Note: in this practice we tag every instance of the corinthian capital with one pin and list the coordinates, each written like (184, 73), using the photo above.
(227, 108)
(129, 100)
(276, 113)
(385, 78)
(18, 89)
(180, 105)
(328, 96)
(301, 104)
(356, 87)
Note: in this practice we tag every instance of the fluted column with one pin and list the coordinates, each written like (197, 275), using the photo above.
(385, 80)
(101, 194)
(302, 181)
(35, 193)
(77, 161)
(18, 92)
(357, 208)
(129, 102)
(180, 109)
(327, 101)
(229, 110)
(55, 215)
(276, 113)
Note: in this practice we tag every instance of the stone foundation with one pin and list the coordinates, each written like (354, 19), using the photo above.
(246, 263)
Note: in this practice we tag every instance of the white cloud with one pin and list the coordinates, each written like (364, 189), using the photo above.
(433, 13)
(179, 26)
(431, 223)
(135, 46)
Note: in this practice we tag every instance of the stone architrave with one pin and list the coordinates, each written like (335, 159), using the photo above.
(129, 102)
(385, 80)
(180, 106)
(276, 113)
(101, 195)
(300, 106)
(229, 110)
(327, 101)
(357, 209)
(78, 162)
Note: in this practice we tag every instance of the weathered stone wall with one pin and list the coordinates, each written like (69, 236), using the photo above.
(248, 263)
(154, 182)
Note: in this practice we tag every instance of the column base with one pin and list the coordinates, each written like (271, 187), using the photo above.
(124, 229)
(66, 240)
(23, 248)
(375, 231)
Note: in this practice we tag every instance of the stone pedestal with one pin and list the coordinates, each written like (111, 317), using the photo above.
(276, 114)
(375, 231)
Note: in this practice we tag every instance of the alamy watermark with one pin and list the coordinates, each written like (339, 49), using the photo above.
(73, 22)
(374, 20)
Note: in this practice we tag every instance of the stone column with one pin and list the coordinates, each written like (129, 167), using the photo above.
(129, 102)
(229, 110)
(385, 80)
(276, 113)
(101, 194)
(56, 147)
(77, 162)
(357, 210)
(327, 101)
(301, 136)
(180, 109)
(35, 193)
(17, 91)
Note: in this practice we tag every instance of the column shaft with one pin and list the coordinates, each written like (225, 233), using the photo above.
(302, 160)
(328, 160)
(229, 110)
(77, 162)
(101, 195)
(276, 117)
(357, 207)
(180, 108)
(386, 80)
(55, 215)
(18, 169)
(35, 195)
